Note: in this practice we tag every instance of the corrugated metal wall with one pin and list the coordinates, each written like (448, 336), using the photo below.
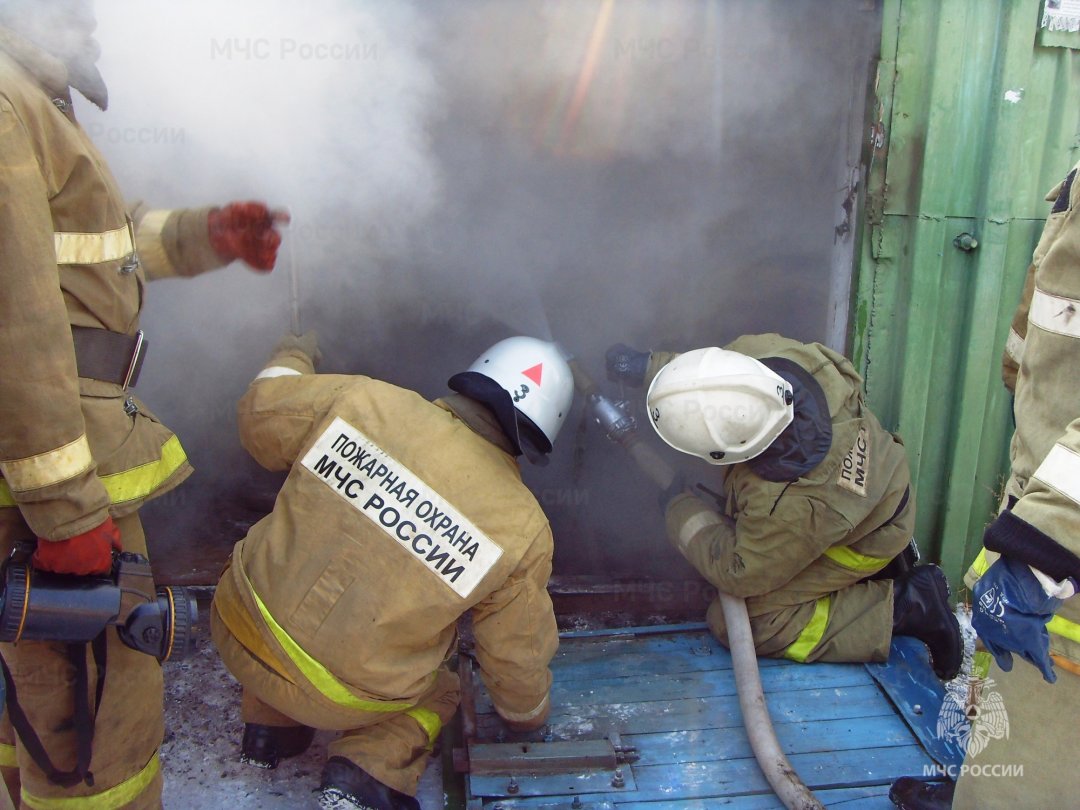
(977, 117)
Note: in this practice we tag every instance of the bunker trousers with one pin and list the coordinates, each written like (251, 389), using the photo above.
(1023, 742)
(391, 746)
(129, 725)
(807, 620)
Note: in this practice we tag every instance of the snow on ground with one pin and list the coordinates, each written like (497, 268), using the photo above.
(201, 751)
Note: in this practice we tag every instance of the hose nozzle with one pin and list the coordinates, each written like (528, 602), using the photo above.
(616, 422)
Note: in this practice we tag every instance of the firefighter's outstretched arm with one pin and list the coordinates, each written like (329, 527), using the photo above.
(285, 401)
(188, 242)
(752, 556)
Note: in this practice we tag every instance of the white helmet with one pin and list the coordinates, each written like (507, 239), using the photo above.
(719, 405)
(529, 386)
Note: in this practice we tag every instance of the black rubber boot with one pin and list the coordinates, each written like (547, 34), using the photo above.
(909, 793)
(345, 786)
(265, 746)
(921, 609)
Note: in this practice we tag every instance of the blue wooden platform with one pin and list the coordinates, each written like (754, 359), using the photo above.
(670, 694)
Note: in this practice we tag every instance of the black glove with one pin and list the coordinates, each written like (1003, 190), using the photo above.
(626, 365)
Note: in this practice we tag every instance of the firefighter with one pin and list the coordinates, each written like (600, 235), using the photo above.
(398, 516)
(78, 452)
(816, 496)
(1025, 578)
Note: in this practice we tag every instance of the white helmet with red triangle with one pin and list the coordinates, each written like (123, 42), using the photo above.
(528, 384)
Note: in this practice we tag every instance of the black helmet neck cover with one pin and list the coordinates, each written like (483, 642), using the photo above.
(525, 437)
(806, 441)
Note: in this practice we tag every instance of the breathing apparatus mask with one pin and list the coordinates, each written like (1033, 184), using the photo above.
(43, 606)
(76, 611)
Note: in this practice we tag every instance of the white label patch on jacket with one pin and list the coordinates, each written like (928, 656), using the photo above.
(856, 465)
(400, 503)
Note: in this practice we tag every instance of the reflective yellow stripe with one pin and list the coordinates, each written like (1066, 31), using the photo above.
(811, 635)
(524, 717)
(93, 248)
(1014, 346)
(111, 799)
(276, 371)
(980, 565)
(854, 561)
(148, 237)
(138, 482)
(699, 521)
(318, 675)
(1064, 628)
(242, 625)
(7, 757)
(1061, 471)
(129, 485)
(429, 721)
(1054, 313)
(50, 467)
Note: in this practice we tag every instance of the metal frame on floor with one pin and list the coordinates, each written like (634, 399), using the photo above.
(645, 718)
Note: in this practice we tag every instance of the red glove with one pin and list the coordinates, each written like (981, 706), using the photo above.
(245, 230)
(84, 554)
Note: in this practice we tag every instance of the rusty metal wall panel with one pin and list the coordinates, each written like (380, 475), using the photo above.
(976, 121)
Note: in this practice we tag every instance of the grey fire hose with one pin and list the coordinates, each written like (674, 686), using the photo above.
(621, 428)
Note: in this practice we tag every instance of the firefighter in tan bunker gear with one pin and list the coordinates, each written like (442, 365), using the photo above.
(398, 516)
(78, 453)
(1025, 578)
(817, 500)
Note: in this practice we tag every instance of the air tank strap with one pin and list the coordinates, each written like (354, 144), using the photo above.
(84, 718)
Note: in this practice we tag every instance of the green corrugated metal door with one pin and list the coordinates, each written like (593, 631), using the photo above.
(977, 118)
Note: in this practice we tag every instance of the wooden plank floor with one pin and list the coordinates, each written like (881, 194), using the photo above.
(671, 695)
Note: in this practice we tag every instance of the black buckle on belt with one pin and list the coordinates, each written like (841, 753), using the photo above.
(137, 356)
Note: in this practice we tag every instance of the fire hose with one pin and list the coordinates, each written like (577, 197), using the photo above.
(621, 428)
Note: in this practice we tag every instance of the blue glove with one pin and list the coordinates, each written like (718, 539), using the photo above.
(1010, 614)
(627, 365)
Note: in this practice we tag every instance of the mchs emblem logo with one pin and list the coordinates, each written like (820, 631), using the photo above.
(972, 724)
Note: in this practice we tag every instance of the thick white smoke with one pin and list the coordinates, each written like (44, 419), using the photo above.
(321, 107)
(670, 173)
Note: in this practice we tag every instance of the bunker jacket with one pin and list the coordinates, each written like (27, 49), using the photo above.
(73, 445)
(395, 519)
(1043, 492)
